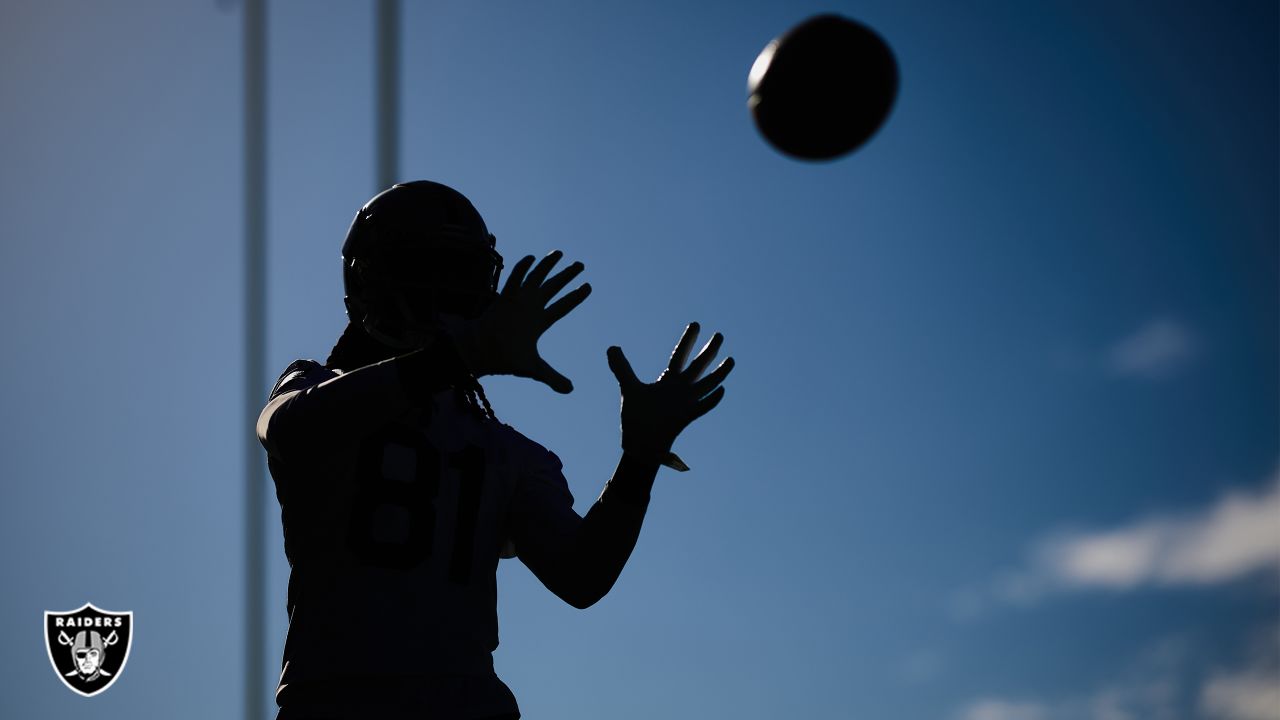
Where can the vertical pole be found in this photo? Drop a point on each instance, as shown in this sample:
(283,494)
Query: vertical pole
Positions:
(255,188)
(387,110)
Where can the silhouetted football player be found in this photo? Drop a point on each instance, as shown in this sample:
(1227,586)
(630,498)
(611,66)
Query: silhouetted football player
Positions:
(400,490)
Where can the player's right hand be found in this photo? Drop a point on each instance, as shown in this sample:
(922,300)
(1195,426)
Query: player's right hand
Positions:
(504,339)
(654,414)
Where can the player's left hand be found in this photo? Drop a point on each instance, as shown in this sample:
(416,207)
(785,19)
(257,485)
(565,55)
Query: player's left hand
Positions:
(504,339)
(653,414)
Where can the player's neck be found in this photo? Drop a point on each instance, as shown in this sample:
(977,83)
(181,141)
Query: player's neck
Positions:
(356,349)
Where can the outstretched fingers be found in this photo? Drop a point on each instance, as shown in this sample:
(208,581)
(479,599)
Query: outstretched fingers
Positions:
(558,309)
(539,272)
(621,367)
(681,352)
(704,356)
(713,378)
(559,281)
(516,278)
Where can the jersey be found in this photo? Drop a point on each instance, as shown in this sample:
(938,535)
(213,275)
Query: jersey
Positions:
(395,519)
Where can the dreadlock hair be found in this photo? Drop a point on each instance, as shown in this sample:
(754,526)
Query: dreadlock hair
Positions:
(356,348)
(474,399)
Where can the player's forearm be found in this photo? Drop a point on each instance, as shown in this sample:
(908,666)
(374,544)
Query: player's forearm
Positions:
(352,403)
(608,533)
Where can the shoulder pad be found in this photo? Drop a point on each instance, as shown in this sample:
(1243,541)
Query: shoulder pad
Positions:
(301,374)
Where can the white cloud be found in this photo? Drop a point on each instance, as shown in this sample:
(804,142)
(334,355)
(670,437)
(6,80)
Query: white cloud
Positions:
(1249,695)
(1152,701)
(1235,536)
(1146,689)
(1249,692)
(1155,351)
(1238,535)
(1000,709)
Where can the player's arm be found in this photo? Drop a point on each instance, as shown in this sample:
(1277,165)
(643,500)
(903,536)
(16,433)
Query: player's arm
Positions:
(314,405)
(579,559)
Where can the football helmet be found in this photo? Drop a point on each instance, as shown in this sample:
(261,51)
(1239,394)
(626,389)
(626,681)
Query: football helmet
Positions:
(414,252)
(88,650)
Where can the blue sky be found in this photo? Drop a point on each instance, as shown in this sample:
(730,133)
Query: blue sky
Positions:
(1002,439)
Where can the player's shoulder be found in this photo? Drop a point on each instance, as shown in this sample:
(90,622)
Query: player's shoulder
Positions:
(301,374)
(540,472)
(519,443)
(525,449)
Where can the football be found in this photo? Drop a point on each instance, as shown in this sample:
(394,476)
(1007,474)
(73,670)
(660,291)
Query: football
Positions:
(822,89)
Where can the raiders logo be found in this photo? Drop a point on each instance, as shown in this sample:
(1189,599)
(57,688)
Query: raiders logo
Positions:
(88,647)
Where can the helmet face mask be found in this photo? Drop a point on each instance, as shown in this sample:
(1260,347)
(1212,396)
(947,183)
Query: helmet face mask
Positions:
(416,252)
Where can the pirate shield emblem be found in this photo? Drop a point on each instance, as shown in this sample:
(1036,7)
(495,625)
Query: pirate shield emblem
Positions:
(88,647)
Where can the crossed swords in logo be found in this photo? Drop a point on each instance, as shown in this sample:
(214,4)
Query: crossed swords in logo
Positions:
(107,642)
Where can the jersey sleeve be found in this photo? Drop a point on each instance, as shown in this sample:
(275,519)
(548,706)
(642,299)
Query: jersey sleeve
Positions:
(301,375)
(542,515)
(312,408)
